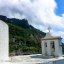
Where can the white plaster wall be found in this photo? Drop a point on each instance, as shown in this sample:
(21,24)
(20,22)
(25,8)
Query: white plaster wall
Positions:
(60,47)
(4,41)
(57,48)
(48,48)
(60,43)
(43,48)
(61,50)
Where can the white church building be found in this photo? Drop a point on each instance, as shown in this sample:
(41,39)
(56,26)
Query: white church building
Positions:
(51,45)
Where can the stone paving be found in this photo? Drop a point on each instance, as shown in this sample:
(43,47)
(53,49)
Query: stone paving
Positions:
(34,59)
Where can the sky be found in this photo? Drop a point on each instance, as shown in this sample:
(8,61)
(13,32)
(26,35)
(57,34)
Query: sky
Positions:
(39,13)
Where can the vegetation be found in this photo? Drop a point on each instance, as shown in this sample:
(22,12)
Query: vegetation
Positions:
(27,35)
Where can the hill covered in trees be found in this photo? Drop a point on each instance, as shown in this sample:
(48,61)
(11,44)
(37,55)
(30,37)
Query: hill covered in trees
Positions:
(24,38)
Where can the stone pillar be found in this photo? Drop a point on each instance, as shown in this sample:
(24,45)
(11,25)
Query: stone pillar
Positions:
(48,48)
(4,41)
(57,49)
(43,48)
(60,47)
(61,51)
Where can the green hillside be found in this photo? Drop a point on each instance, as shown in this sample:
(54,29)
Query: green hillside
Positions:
(24,38)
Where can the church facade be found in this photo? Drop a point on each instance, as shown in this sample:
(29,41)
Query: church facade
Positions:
(51,45)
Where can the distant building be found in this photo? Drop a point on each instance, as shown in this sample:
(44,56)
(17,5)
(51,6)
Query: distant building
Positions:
(51,45)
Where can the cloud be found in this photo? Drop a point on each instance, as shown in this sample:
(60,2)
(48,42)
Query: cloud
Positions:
(40,13)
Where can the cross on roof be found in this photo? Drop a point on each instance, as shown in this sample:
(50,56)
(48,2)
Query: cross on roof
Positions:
(49,28)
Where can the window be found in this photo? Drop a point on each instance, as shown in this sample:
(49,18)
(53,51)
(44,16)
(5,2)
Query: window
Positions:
(52,44)
(45,44)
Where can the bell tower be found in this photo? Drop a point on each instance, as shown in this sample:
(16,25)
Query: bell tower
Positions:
(51,45)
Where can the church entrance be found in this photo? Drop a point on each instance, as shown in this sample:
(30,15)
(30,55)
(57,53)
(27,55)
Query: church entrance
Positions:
(52,48)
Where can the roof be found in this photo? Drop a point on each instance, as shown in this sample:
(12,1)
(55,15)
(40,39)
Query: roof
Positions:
(49,37)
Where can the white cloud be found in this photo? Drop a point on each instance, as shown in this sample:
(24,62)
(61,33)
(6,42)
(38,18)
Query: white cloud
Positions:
(40,13)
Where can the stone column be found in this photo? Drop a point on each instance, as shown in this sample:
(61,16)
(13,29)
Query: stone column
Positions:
(57,49)
(60,47)
(48,48)
(43,48)
(4,41)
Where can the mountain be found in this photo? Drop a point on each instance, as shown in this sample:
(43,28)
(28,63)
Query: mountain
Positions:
(24,38)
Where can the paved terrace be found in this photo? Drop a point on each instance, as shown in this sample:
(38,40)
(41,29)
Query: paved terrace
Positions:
(34,59)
